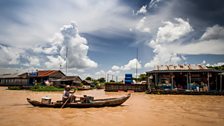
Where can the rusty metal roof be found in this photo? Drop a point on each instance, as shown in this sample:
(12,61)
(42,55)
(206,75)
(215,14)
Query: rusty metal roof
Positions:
(44,73)
(181,67)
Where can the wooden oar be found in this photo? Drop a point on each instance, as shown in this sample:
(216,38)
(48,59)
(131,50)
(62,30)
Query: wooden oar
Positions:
(65,102)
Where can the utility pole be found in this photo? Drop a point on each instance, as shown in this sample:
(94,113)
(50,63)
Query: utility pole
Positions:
(136,70)
(66,59)
(107,77)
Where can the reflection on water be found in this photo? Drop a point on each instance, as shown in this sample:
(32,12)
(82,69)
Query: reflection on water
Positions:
(141,109)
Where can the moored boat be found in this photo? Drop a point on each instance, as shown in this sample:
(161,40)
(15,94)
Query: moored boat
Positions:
(108,102)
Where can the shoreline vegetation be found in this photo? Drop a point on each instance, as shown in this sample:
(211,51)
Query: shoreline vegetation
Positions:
(52,88)
(36,88)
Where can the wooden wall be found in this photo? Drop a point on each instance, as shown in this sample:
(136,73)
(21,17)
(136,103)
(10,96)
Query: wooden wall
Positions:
(13,81)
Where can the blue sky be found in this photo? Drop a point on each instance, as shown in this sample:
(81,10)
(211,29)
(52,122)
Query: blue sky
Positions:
(103,36)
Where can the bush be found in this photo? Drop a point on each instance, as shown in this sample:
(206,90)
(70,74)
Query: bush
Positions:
(46,88)
(100,85)
(14,88)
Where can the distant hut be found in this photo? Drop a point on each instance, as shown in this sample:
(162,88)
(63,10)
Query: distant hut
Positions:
(67,80)
(88,83)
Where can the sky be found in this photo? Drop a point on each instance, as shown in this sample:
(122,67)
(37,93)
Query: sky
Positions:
(109,37)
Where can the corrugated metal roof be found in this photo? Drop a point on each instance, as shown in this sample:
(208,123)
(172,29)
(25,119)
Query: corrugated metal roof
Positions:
(181,67)
(10,75)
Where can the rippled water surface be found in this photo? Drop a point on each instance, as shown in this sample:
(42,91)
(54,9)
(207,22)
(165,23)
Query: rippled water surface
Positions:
(140,110)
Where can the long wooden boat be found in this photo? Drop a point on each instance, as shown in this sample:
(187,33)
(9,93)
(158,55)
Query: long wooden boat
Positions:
(108,102)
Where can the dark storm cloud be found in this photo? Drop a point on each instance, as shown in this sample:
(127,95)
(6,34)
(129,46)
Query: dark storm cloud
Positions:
(200,12)
(136,4)
(206,12)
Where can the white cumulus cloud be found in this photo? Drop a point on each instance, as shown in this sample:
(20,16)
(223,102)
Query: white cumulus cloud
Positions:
(69,42)
(115,68)
(9,55)
(34,61)
(167,35)
(142,10)
(55,62)
(173,31)
(211,42)
(141,26)
(132,64)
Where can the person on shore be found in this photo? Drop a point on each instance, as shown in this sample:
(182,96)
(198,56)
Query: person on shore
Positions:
(68,94)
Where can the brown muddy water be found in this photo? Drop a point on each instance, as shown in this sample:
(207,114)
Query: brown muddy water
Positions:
(140,110)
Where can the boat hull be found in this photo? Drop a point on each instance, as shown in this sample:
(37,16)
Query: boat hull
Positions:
(110,102)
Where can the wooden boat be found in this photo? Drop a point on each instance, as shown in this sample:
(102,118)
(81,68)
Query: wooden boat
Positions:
(108,102)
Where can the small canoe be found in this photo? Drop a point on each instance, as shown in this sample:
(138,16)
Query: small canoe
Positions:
(108,102)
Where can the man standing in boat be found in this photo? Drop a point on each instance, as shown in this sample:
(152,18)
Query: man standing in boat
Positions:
(68,94)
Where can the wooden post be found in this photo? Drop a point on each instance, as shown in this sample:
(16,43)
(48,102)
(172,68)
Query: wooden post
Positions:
(216,84)
(149,83)
(189,81)
(156,79)
(220,82)
(208,82)
(172,81)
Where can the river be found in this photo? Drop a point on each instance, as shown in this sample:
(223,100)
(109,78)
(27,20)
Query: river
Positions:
(140,110)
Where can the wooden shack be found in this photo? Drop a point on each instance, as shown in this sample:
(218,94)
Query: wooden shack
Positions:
(185,77)
(41,76)
(67,80)
(13,79)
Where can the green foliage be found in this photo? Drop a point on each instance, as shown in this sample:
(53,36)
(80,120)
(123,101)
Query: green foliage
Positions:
(101,80)
(142,77)
(100,85)
(217,67)
(88,78)
(45,88)
(112,81)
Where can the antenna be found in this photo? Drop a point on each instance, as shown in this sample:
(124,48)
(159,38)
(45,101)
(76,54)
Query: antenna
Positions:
(66,59)
(136,70)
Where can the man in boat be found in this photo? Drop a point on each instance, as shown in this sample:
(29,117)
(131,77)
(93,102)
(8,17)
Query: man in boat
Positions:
(68,94)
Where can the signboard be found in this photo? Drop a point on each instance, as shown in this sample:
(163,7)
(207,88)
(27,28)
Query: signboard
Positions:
(33,74)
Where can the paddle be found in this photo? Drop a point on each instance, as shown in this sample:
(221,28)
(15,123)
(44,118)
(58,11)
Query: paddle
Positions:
(71,92)
(65,102)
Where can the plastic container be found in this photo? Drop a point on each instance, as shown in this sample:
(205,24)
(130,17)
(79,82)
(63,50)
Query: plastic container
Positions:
(46,100)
